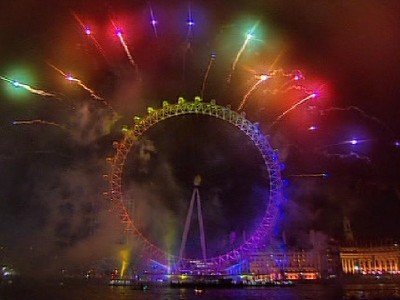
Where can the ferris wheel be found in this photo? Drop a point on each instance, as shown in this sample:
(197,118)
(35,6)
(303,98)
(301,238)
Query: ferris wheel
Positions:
(269,157)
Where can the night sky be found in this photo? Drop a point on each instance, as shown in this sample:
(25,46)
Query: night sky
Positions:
(51,197)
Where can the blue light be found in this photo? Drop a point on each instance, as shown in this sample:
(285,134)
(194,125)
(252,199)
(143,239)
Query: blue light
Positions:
(250,35)
(354,142)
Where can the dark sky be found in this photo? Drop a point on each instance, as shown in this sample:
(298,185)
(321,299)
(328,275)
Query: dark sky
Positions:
(51,174)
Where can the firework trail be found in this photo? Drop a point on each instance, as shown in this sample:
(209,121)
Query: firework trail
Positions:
(348,142)
(296,87)
(82,85)
(293,76)
(261,79)
(249,37)
(311,96)
(186,46)
(18,84)
(203,86)
(78,82)
(33,122)
(276,91)
(352,154)
(279,73)
(190,23)
(125,46)
(153,21)
(317,175)
(89,33)
(119,34)
(361,112)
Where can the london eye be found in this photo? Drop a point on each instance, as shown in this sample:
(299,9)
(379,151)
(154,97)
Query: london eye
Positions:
(269,158)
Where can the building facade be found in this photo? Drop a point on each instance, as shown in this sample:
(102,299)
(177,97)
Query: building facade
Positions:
(295,264)
(278,265)
(370,260)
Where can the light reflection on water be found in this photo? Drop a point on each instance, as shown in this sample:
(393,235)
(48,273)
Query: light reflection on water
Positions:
(372,290)
(78,291)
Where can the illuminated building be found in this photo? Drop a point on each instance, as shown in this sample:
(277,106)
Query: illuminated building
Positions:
(320,261)
(292,265)
(359,258)
(371,259)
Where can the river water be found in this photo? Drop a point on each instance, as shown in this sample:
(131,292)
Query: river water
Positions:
(90,291)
